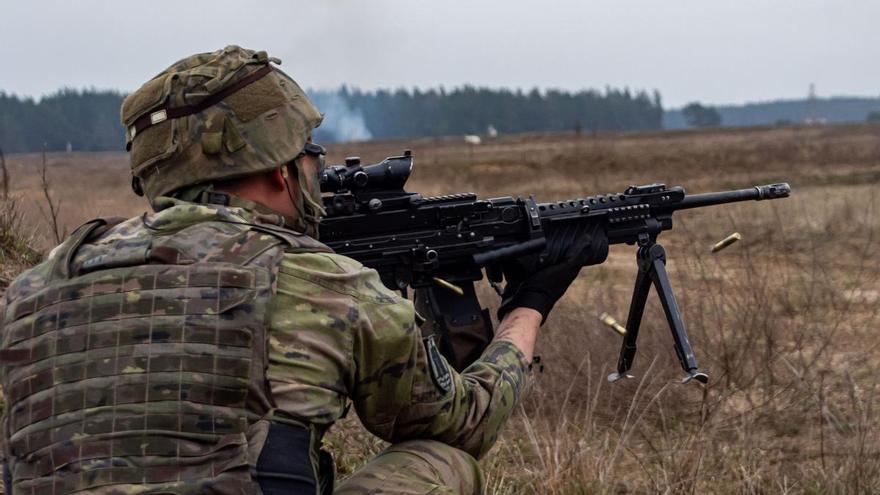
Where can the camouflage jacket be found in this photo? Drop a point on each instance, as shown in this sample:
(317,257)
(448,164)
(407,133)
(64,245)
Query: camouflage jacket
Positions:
(335,334)
(338,334)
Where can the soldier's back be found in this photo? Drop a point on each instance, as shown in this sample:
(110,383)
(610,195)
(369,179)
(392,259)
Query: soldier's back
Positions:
(135,355)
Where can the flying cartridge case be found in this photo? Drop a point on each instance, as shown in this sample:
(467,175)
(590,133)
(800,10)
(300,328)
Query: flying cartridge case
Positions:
(448,285)
(727,241)
(611,323)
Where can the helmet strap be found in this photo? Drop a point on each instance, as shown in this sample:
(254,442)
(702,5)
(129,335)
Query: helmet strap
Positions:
(298,223)
(309,212)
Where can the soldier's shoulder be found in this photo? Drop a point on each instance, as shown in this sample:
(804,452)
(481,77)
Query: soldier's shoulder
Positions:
(36,277)
(116,229)
(29,281)
(337,273)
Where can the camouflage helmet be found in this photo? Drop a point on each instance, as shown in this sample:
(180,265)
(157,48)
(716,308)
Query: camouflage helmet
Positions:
(214,116)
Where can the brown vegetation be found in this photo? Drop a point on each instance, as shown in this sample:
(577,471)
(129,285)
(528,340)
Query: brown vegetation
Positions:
(782,321)
(16,251)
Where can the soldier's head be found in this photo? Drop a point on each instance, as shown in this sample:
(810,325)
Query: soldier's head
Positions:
(227,119)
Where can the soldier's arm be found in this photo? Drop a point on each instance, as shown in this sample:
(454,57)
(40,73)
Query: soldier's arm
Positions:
(339,322)
(520,328)
(404,389)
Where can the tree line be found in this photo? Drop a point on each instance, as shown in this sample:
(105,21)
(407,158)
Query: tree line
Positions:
(472,110)
(88,120)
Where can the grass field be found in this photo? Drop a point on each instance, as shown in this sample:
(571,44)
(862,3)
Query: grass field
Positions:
(783,321)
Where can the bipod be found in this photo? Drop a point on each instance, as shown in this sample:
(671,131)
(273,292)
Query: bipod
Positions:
(651,259)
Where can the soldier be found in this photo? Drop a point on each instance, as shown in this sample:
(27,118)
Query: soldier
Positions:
(207,347)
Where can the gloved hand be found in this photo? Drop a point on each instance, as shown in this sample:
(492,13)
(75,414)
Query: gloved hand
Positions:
(537,281)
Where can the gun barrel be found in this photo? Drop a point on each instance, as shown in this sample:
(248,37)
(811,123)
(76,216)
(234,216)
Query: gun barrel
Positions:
(757,193)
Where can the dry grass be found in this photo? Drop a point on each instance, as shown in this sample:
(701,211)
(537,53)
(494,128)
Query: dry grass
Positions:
(783,321)
(16,251)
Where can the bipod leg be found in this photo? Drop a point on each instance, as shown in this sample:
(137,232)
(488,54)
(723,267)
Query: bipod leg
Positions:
(657,257)
(634,319)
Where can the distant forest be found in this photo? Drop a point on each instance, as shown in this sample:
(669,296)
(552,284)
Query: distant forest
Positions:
(470,110)
(88,120)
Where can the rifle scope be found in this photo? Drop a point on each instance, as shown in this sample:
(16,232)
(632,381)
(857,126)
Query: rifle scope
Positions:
(390,174)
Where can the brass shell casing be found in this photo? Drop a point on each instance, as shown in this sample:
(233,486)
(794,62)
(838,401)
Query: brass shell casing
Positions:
(611,323)
(727,241)
(448,285)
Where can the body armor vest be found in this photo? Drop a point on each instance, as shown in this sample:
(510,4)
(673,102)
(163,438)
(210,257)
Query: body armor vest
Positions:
(142,361)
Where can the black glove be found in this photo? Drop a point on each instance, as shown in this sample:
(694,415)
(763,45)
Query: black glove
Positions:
(537,281)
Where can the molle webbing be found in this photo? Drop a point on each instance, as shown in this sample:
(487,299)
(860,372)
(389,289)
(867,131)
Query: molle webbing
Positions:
(147,373)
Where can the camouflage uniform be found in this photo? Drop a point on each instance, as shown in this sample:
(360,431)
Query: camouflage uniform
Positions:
(128,377)
(207,348)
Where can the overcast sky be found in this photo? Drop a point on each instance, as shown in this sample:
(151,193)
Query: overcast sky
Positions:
(728,51)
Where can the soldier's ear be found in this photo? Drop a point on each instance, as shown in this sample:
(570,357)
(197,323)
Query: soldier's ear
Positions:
(278,178)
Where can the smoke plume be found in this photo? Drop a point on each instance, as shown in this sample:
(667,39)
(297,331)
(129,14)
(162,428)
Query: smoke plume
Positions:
(341,121)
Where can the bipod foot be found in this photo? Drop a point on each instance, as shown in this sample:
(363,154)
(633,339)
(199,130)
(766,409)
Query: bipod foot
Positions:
(613,377)
(696,375)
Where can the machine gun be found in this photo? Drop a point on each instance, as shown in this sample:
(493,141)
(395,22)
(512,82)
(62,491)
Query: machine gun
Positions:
(441,245)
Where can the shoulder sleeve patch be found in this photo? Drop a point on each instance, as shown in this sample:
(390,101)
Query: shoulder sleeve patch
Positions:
(437,366)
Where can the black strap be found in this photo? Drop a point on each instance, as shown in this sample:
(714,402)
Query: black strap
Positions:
(284,466)
(214,198)
(7,479)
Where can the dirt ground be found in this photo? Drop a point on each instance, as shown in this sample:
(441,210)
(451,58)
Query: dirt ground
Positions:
(783,321)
